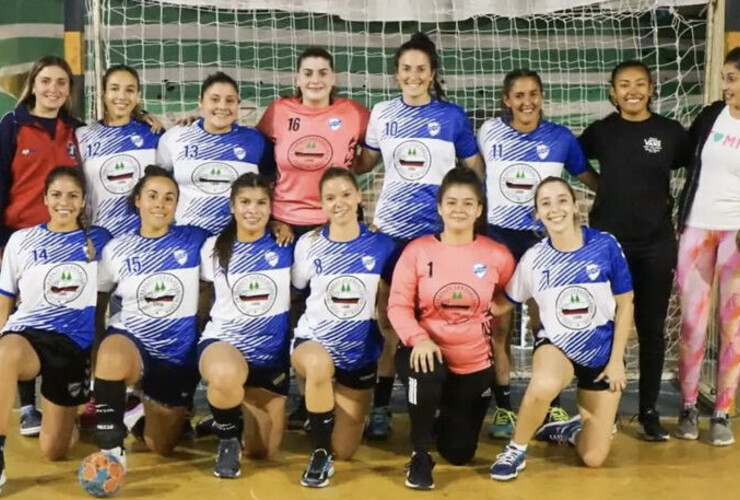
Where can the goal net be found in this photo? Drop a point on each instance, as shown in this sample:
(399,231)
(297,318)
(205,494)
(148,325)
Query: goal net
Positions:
(572,44)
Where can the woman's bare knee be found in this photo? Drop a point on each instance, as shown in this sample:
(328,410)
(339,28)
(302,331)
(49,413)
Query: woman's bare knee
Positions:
(594,458)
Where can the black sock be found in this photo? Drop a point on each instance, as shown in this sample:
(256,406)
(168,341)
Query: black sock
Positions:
(227,422)
(110,405)
(27,392)
(322,425)
(556,401)
(502,394)
(383,390)
(2,453)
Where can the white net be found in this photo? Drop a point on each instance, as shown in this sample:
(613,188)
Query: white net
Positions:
(176,44)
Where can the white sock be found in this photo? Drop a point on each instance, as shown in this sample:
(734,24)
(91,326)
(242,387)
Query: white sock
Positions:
(518,447)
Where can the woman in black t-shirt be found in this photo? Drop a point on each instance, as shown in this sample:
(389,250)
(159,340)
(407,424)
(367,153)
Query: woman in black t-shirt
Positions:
(637,150)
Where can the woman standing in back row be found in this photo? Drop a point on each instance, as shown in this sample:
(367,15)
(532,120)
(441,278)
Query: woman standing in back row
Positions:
(637,150)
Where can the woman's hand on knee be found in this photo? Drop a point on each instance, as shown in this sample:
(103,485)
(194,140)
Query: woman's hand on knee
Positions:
(614,375)
(423,355)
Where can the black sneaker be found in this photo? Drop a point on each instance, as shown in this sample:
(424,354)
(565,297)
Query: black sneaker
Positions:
(320,469)
(187,433)
(298,418)
(228,459)
(650,428)
(419,471)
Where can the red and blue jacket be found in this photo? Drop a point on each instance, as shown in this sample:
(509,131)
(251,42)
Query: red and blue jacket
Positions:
(27,154)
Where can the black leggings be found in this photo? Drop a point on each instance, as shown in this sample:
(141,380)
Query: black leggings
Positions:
(651,265)
(462,401)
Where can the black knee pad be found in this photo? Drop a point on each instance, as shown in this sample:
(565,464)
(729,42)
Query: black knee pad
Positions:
(456,454)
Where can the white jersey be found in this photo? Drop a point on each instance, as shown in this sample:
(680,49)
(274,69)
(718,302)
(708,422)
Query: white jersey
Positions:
(157,281)
(343,279)
(56,283)
(114,160)
(250,310)
(206,164)
(516,162)
(419,144)
(575,293)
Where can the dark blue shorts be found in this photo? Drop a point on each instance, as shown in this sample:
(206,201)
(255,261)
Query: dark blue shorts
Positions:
(164,382)
(360,378)
(585,374)
(518,242)
(272,378)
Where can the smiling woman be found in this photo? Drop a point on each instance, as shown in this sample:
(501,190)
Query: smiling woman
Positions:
(208,155)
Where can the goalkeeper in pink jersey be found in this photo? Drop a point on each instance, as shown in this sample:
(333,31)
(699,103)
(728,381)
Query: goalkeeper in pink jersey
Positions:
(312,131)
(441,294)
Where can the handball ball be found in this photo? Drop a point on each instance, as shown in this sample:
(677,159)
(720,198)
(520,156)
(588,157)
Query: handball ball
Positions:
(100,474)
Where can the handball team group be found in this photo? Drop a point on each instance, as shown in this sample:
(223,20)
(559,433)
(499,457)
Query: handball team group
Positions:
(135,259)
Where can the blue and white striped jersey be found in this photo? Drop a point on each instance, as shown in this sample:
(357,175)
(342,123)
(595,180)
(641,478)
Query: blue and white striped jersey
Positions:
(419,144)
(57,285)
(250,311)
(575,293)
(343,279)
(516,162)
(157,281)
(206,164)
(114,160)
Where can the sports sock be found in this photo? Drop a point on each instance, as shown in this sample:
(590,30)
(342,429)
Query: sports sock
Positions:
(110,405)
(322,425)
(226,422)
(556,401)
(502,395)
(383,391)
(27,392)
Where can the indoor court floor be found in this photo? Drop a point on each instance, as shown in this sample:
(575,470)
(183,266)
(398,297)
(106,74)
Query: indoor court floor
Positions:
(635,470)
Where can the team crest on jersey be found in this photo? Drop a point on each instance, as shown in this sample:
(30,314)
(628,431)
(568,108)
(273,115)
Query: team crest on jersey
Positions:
(254,294)
(434,128)
(412,160)
(335,123)
(575,308)
(271,258)
(71,149)
(137,140)
(345,297)
(518,182)
(593,271)
(120,174)
(456,302)
(480,270)
(310,153)
(160,295)
(181,256)
(240,152)
(542,151)
(652,145)
(64,283)
(368,261)
(214,177)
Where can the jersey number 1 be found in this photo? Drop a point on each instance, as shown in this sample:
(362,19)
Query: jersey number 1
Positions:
(430,265)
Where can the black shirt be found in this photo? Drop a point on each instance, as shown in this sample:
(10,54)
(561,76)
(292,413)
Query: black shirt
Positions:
(50,124)
(633,201)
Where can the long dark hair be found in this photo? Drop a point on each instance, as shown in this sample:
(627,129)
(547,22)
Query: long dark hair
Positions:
(510,79)
(322,53)
(733,57)
(421,42)
(78,178)
(27,97)
(629,65)
(465,176)
(149,172)
(224,246)
(217,77)
(137,112)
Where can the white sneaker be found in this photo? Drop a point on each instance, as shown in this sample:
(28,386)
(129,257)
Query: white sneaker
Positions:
(3,479)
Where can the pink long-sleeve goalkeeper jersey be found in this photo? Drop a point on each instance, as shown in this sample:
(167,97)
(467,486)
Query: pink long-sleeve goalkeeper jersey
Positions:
(307,142)
(443,292)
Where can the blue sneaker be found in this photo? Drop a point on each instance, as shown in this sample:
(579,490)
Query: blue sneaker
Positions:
(228,459)
(379,424)
(503,423)
(508,464)
(30,422)
(320,469)
(560,432)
